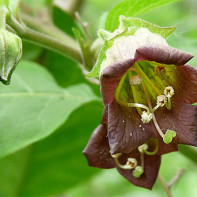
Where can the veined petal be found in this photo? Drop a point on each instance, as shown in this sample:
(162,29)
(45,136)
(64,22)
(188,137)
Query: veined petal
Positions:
(151,169)
(164,54)
(182,119)
(110,78)
(125,129)
(97,151)
(186,91)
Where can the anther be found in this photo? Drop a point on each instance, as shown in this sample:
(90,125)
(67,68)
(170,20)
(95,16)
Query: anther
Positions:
(169,91)
(161,100)
(135,80)
(117,155)
(131,162)
(143,148)
(146,117)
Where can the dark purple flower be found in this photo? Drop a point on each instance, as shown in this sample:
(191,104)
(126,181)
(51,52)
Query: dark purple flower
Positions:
(148,108)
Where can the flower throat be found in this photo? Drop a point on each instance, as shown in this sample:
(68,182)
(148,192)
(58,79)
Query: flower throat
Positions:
(137,90)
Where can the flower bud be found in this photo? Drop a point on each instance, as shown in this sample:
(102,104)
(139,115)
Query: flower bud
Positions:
(10,54)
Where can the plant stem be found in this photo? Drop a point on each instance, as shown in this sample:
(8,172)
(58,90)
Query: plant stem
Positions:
(49,29)
(165,186)
(44,40)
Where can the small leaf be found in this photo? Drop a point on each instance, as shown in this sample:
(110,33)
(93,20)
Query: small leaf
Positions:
(132,8)
(33,106)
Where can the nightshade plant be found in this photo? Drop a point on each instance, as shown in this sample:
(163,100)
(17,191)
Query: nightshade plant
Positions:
(144,87)
(148,108)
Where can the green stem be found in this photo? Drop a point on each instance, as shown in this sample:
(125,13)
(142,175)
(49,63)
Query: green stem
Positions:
(153,152)
(44,40)
(49,29)
(168,104)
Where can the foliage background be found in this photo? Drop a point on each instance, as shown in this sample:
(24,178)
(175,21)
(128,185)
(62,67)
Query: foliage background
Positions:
(53,165)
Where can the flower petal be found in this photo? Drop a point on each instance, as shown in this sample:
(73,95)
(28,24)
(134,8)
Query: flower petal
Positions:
(97,151)
(166,148)
(151,169)
(165,55)
(110,78)
(125,129)
(186,91)
(182,119)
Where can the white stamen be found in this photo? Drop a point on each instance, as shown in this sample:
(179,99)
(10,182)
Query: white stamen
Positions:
(169,91)
(161,100)
(143,148)
(146,117)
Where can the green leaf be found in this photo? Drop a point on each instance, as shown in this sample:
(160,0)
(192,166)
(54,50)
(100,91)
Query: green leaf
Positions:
(55,164)
(33,106)
(131,8)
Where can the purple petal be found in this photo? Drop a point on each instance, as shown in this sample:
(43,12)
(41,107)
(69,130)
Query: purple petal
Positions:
(165,55)
(186,88)
(97,151)
(182,119)
(110,78)
(125,129)
(151,169)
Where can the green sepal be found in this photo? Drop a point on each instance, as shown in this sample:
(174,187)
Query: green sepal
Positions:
(169,136)
(128,26)
(10,54)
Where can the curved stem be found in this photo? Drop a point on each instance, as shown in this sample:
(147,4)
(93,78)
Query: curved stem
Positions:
(44,40)
(153,152)
(49,29)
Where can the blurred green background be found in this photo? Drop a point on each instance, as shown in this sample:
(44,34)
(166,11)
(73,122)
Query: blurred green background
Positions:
(55,165)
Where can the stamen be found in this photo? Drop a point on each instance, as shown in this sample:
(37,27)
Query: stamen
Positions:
(153,152)
(146,117)
(143,148)
(138,105)
(135,80)
(139,170)
(169,92)
(161,100)
(131,162)
(150,106)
